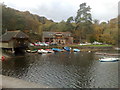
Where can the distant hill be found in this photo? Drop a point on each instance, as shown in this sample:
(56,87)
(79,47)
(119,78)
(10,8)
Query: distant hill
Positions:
(32,24)
(17,20)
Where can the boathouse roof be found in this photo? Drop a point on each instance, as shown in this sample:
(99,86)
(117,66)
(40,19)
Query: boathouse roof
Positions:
(51,34)
(13,34)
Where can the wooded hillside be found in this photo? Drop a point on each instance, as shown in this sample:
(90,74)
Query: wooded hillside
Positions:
(83,27)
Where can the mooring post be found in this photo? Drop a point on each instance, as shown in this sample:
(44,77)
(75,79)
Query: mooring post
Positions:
(13,50)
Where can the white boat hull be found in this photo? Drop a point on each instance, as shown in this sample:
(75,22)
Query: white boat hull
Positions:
(49,51)
(42,51)
(109,59)
(76,50)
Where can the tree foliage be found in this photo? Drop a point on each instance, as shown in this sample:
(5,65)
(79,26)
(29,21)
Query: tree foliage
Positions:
(83,22)
(83,14)
(82,27)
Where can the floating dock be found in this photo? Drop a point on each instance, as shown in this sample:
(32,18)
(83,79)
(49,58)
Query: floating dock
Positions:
(108,54)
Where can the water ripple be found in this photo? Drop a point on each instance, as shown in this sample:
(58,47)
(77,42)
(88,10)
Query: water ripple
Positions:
(68,70)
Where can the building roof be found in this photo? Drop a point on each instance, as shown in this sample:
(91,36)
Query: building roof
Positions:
(12,34)
(51,34)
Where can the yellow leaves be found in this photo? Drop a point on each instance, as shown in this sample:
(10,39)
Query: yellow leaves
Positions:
(77,32)
(107,38)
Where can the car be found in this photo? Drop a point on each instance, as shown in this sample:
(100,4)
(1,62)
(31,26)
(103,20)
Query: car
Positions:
(96,43)
(88,43)
(82,44)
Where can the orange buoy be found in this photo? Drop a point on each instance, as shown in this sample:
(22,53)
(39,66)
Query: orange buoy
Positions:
(3,58)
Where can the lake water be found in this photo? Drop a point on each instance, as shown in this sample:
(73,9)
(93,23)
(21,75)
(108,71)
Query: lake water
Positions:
(64,70)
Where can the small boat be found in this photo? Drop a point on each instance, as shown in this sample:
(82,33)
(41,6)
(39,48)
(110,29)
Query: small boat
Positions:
(40,51)
(56,49)
(67,48)
(117,48)
(28,51)
(50,50)
(76,50)
(31,51)
(62,50)
(109,59)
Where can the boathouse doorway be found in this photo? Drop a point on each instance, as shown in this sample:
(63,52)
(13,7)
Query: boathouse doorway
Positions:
(16,41)
(20,46)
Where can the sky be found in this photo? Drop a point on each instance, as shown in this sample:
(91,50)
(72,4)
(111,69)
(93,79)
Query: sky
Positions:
(59,10)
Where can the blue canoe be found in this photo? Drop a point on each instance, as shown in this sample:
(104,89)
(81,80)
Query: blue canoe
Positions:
(76,50)
(56,49)
(67,48)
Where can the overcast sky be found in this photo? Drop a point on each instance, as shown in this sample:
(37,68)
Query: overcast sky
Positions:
(59,10)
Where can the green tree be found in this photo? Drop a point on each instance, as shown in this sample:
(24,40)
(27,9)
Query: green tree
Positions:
(83,22)
(96,21)
(83,14)
(70,19)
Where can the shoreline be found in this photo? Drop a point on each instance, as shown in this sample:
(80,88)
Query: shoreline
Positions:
(82,48)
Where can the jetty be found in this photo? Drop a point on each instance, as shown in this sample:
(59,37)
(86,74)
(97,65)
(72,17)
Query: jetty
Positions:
(108,54)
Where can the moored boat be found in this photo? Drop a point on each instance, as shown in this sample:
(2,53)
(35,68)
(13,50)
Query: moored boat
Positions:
(109,59)
(67,48)
(31,51)
(40,51)
(50,50)
(76,50)
(28,51)
(56,49)
(62,50)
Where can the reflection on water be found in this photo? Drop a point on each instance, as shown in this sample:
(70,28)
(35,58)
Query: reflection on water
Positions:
(64,69)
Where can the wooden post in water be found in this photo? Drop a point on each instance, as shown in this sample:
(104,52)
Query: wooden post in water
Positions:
(13,50)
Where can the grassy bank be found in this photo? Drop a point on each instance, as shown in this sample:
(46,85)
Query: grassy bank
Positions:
(90,45)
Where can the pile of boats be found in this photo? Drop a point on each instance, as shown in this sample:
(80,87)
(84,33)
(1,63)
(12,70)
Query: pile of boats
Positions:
(41,51)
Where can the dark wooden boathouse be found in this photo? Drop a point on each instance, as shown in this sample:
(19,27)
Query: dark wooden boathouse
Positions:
(16,41)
